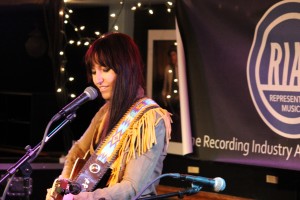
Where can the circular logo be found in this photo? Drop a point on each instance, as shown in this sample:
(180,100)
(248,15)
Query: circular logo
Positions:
(273,68)
(94,168)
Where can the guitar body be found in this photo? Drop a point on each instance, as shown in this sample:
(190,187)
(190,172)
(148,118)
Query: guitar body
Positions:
(79,163)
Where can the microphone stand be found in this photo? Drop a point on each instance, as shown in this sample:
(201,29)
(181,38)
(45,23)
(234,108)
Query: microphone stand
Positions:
(180,194)
(30,154)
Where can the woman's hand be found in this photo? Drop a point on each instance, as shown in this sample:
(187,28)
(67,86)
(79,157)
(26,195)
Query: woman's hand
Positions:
(68,197)
(59,186)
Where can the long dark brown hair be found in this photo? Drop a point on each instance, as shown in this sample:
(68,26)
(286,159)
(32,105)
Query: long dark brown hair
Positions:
(120,53)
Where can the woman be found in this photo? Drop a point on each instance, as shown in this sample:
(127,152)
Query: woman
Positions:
(141,127)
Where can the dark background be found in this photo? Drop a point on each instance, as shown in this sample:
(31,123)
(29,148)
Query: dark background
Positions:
(28,77)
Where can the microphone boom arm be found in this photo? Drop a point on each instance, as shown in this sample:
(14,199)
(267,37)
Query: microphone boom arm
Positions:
(31,153)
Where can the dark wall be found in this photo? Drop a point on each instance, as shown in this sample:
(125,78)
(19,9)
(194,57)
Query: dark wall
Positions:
(25,65)
(28,97)
(26,76)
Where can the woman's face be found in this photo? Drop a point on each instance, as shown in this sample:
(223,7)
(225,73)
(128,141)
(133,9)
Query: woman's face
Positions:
(104,78)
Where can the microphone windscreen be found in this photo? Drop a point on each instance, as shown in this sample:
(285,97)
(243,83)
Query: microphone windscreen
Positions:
(91,92)
(220,184)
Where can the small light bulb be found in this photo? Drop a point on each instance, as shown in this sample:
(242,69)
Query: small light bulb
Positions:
(169,3)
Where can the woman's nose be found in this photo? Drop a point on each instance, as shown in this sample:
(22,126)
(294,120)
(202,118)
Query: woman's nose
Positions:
(99,78)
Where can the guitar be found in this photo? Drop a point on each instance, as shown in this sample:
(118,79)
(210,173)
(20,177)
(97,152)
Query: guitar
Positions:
(74,184)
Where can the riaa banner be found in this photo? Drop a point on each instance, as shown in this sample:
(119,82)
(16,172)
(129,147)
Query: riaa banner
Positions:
(243,77)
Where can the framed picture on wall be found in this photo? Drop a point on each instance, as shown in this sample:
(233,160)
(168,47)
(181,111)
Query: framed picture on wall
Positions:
(162,79)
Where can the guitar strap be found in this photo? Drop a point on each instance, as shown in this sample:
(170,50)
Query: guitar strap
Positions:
(99,162)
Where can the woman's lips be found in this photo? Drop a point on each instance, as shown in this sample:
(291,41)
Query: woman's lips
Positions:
(103,88)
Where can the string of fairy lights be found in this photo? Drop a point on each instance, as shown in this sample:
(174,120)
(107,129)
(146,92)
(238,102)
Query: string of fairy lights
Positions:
(82,41)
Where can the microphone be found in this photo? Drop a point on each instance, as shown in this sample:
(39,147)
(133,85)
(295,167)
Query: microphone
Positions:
(218,184)
(89,93)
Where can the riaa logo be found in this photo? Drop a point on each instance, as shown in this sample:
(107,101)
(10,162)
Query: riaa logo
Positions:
(273,68)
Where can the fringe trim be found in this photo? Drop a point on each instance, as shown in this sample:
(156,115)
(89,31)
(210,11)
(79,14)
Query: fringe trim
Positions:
(138,140)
